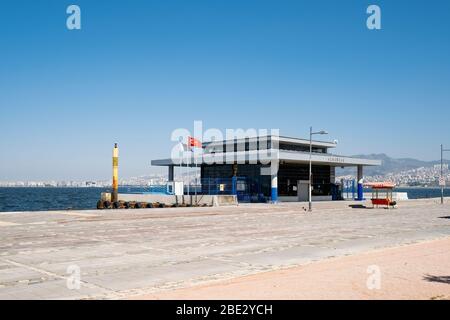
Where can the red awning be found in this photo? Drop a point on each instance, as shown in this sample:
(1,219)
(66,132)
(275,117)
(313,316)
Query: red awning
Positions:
(380,185)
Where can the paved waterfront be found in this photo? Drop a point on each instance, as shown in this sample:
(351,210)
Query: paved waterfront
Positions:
(132,252)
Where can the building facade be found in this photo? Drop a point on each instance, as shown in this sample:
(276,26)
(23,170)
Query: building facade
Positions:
(269,167)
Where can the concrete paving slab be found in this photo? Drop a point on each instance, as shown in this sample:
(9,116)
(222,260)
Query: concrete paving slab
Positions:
(137,251)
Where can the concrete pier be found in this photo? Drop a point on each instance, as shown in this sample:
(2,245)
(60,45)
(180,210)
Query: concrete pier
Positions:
(122,253)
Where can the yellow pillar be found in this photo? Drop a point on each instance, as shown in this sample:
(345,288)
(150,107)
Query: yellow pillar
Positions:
(115,181)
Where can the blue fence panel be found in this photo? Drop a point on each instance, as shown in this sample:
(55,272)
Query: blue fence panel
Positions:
(216,186)
(349,189)
(246,190)
(153,189)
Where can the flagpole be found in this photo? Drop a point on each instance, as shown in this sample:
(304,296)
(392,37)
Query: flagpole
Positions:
(195,162)
(193,143)
(181,165)
(187,173)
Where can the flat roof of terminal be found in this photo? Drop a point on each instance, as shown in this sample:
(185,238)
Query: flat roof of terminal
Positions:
(284,139)
(283,156)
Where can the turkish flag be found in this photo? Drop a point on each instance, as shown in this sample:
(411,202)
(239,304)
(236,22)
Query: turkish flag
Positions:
(192,142)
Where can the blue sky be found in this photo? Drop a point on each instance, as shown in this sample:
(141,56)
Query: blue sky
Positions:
(139,69)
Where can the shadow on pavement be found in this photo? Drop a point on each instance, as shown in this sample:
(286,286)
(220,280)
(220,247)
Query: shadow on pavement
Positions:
(440,279)
(357,206)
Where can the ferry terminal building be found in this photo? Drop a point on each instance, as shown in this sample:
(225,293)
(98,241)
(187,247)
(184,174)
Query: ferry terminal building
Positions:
(269,168)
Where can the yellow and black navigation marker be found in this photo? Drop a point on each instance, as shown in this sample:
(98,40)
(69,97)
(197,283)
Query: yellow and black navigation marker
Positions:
(115,181)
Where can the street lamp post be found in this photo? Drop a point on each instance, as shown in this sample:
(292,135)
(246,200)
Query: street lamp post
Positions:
(442,172)
(311,133)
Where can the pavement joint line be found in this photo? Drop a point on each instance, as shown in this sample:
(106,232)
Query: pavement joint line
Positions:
(55,275)
(9,224)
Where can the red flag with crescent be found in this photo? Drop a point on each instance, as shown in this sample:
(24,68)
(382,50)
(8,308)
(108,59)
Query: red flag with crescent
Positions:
(192,142)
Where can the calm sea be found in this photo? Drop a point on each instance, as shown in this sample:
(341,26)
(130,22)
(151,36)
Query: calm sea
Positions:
(35,199)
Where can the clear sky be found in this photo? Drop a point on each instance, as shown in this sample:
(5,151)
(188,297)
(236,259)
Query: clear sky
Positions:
(139,69)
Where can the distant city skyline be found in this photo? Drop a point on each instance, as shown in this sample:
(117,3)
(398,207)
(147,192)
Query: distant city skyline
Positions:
(136,71)
(421,176)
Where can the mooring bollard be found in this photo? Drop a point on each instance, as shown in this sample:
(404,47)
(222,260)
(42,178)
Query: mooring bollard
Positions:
(100,204)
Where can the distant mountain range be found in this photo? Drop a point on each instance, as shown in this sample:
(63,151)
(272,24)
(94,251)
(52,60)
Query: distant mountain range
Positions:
(389,165)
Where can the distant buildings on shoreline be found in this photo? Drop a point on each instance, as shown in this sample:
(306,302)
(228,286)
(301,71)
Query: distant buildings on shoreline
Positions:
(134,181)
(421,177)
(418,177)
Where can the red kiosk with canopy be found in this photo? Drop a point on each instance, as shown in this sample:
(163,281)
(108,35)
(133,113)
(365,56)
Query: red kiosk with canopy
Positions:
(382,193)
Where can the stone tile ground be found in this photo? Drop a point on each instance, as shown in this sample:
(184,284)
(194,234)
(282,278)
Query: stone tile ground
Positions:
(131,252)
